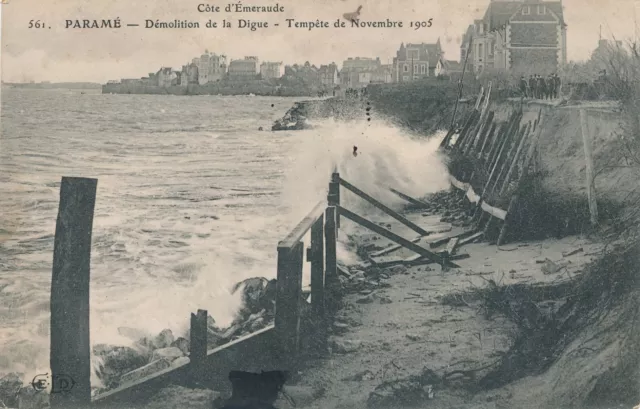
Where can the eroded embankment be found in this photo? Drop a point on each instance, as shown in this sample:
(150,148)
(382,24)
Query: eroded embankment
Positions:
(552,189)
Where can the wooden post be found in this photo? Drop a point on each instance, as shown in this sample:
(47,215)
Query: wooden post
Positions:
(527,161)
(384,208)
(588,156)
(488,141)
(496,142)
(445,141)
(482,132)
(316,257)
(288,299)
(70,353)
(395,238)
(514,161)
(465,130)
(331,260)
(198,347)
(333,199)
(503,162)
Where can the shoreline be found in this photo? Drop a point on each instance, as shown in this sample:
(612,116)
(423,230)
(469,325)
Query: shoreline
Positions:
(391,315)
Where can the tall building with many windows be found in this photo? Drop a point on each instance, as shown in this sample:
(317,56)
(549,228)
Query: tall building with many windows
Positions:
(525,37)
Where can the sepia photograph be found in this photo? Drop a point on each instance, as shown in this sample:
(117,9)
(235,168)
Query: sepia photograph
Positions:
(332,204)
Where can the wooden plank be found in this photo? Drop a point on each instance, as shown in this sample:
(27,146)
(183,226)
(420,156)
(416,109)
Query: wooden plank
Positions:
(483,132)
(445,141)
(482,123)
(288,298)
(391,249)
(505,160)
(331,259)
(438,240)
(489,139)
(409,199)
(493,211)
(70,352)
(451,246)
(515,159)
(387,261)
(316,253)
(303,227)
(392,236)
(470,238)
(472,196)
(333,198)
(438,227)
(198,347)
(588,157)
(341,270)
(457,184)
(465,130)
(384,208)
(514,199)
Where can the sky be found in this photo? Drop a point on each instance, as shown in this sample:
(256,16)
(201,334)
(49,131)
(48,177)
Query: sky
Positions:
(97,55)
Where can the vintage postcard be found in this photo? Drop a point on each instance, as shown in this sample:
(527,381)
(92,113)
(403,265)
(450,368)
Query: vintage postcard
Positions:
(319,204)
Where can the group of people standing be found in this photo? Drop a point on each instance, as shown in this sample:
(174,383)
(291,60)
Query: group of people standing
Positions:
(540,87)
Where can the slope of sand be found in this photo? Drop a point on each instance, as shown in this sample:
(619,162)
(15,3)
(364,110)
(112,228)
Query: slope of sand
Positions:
(403,327)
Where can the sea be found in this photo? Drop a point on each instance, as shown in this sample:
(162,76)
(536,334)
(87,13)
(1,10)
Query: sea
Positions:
(192,197)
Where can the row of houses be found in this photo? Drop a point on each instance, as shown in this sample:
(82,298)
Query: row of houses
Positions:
(519,36)
(412,62)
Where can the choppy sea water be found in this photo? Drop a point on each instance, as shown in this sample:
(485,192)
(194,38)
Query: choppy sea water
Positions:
(191,198)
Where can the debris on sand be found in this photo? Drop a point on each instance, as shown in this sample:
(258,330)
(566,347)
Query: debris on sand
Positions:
(411,391)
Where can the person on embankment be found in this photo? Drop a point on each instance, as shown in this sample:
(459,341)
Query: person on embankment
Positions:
(532,86)
(523,86)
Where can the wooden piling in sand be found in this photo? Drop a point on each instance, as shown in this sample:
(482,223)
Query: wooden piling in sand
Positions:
(333,198)
(330,256)
(315,255)
(198,347)
(70,353)
(288,298)
(514,160)
(588,157)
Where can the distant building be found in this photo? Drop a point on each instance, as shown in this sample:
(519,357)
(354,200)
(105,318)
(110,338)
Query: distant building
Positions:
(525,37)
(416,61)
(383,75)
(211,67)
(359,72)
(175,77)
(166,76)
(244,69)
(448,67)
(306,74)
(271,70)
(328,75)
(189,75)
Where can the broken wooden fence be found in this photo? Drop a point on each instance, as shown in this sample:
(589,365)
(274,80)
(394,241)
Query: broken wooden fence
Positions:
(501,151)
(275,347)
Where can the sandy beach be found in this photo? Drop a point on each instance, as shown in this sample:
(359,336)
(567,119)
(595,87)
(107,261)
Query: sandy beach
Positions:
(398,322)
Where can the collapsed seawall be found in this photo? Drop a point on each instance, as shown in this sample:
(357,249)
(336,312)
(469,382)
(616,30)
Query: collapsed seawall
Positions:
(554,186)
(554,194)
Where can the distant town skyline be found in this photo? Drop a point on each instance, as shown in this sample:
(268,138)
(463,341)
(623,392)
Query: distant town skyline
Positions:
(99,55)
